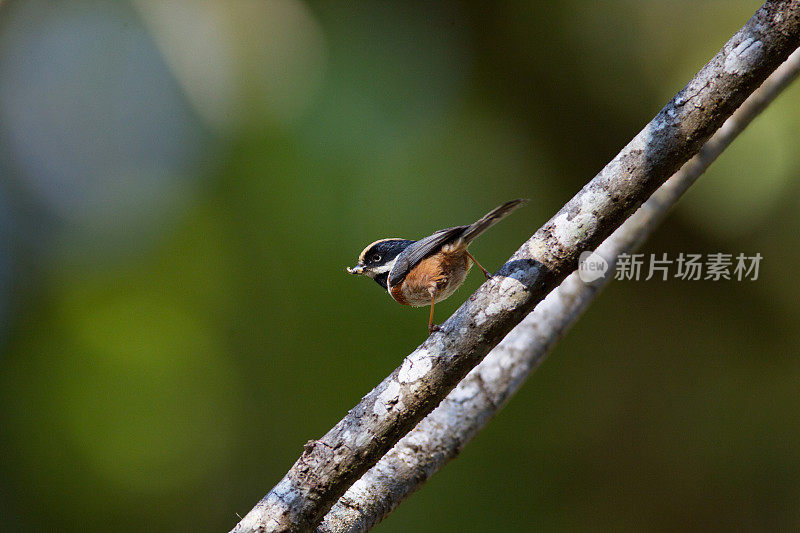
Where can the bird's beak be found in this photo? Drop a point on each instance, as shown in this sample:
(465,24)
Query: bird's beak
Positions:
(356,270)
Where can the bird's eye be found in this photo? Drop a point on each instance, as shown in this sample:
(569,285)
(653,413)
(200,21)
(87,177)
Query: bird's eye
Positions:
(376,258)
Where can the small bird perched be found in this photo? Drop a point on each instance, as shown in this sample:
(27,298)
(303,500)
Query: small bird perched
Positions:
(419,273)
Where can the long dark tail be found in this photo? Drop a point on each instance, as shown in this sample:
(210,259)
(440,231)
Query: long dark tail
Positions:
(490,219)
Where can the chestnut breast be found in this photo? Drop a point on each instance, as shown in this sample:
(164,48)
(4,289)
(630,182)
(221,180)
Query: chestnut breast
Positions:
(441,273)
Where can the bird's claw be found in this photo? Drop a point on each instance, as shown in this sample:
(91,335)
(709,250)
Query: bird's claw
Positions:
(434,328)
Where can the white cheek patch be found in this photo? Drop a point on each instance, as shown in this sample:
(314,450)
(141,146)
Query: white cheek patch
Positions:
(383,269)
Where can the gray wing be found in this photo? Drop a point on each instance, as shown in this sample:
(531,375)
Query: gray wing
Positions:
(411,256)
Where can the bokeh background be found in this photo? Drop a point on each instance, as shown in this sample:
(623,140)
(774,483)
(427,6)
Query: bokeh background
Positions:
(182,184)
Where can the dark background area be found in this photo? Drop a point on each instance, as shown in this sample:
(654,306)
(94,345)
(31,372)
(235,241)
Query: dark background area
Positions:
(183,183)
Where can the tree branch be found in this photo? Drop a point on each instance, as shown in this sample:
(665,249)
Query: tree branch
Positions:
(469,407)
(328,467)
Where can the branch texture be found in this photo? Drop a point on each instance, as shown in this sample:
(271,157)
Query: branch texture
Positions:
(466,410)
(329,466)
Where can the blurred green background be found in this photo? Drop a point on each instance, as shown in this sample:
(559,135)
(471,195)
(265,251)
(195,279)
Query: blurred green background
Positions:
(182,184)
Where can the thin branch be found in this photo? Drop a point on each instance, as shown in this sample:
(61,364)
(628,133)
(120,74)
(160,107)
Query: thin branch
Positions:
(470,406)
(328,467)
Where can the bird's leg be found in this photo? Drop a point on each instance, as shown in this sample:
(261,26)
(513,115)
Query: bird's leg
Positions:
(485,272)
(431,326)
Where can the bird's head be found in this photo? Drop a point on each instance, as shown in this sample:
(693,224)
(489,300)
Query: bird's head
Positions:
(377,259)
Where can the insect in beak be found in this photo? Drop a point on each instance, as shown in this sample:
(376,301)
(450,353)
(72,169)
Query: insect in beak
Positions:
(356,270)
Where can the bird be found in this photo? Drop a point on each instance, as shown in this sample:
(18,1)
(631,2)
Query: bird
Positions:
(423,272)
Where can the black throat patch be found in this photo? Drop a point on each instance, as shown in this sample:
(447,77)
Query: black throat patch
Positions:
(381,279)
